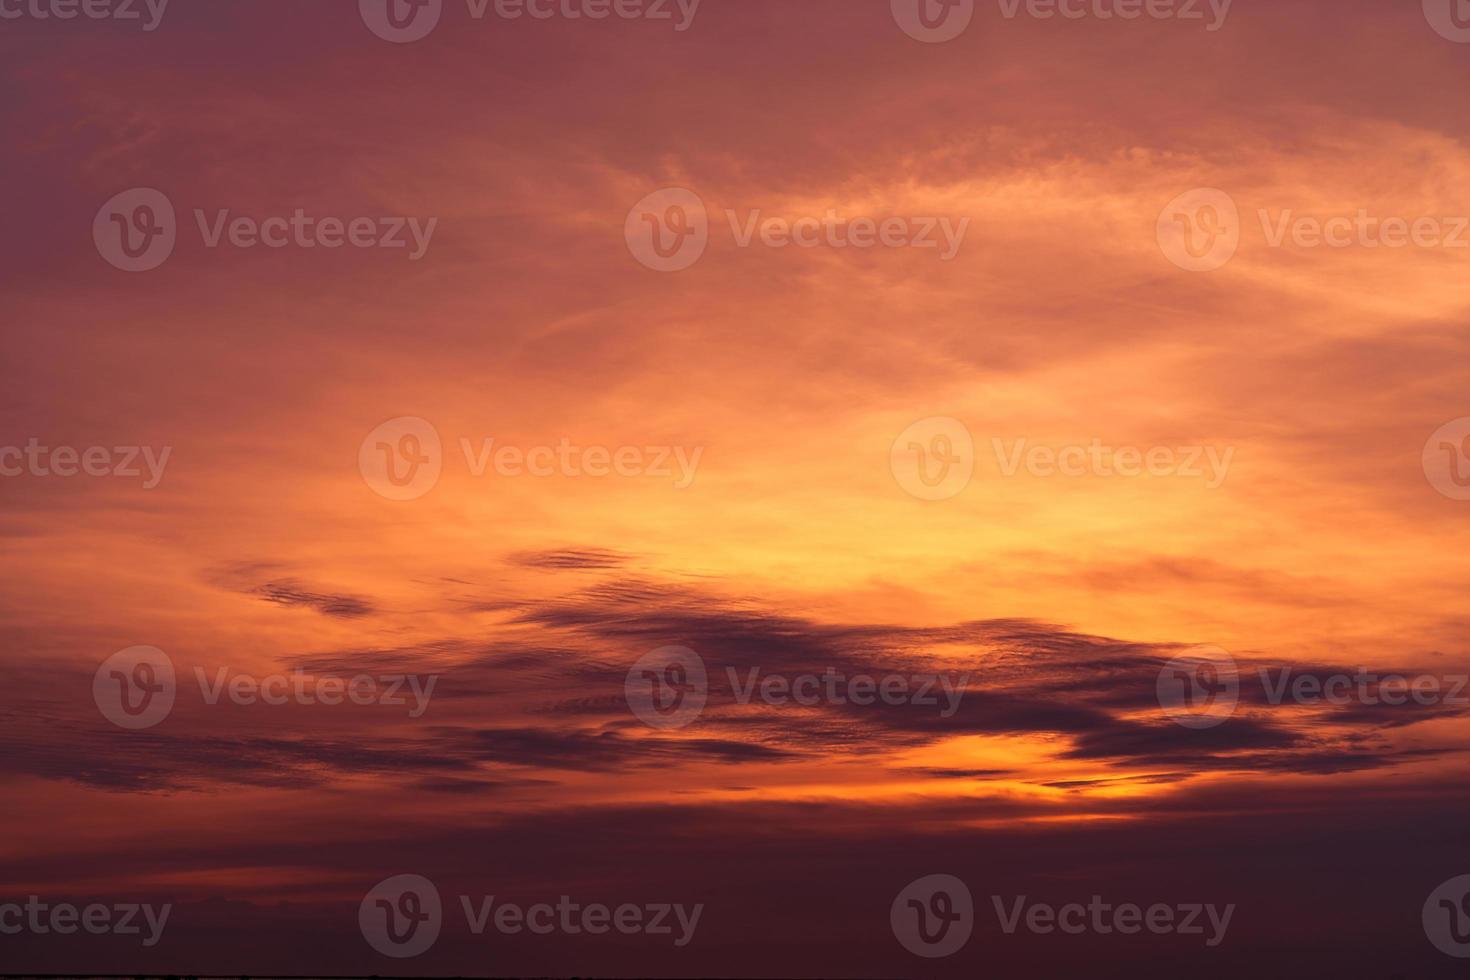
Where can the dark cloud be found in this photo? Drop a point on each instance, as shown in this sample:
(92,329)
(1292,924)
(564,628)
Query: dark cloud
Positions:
(290,593)
(571,559)
(553,678)
(148,761)
(602,750)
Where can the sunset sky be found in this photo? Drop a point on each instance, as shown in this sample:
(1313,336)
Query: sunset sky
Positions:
(783,378)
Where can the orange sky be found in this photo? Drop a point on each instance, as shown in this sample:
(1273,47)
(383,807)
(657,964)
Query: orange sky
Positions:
(1059,320)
